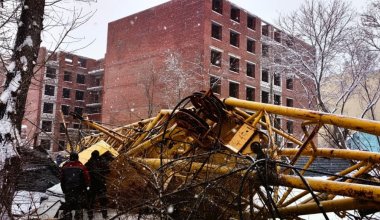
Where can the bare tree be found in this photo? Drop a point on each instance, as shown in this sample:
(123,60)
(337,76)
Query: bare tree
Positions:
(177,75)
(148,80)
(315,42)
(370,21)
(321,44)
(313,47)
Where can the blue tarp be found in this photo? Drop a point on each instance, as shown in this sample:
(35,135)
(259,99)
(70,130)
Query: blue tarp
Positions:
(364,141)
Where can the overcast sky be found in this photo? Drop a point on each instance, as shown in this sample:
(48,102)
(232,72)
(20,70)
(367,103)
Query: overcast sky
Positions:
(95,30)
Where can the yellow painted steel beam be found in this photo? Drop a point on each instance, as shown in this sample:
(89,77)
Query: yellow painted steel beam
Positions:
(334,153)
(118,137)
(359,191)
(372,127)
(341,173)
(150,142)
(154,121)
(328,206)
(156,163)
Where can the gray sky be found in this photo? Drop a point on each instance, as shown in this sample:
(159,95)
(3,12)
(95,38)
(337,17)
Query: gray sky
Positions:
(95,30)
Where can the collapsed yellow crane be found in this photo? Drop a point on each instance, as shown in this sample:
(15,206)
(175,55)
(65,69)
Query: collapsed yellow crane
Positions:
(213,159)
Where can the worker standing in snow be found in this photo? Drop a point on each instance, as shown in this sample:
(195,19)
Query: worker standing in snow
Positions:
(99,169)
(75,181)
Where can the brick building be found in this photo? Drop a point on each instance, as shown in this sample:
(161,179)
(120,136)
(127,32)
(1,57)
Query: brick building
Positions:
(224,40)
(63,83)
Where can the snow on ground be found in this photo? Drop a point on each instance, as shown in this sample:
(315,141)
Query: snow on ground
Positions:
(46,205)
(25,201)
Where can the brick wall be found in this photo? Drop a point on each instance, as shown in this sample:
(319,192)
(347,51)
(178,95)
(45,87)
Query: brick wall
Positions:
(140,42)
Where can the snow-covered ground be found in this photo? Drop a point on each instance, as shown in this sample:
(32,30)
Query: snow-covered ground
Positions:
(37,205)
(24,202)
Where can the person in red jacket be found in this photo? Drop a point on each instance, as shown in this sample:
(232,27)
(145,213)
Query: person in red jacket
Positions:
(75,181)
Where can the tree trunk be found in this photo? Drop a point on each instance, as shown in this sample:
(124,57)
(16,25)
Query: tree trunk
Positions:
(13,98)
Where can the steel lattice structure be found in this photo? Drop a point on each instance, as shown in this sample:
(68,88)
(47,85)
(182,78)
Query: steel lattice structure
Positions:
(213,159)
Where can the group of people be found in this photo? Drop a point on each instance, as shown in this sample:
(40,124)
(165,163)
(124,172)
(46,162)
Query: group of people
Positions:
(83,185)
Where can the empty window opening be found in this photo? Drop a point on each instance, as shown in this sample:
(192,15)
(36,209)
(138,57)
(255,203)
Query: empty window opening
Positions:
(78,110)
(234,89)
(235,14)
(66,93)
(47,126)
(250,93)
(216,58)
(49,90)
(289,83)
(76,125)
(93,110)
(265,75)
(45,144)
(264,97)
(215,84)
(263,119)
(95,97)
(65,109)
(62,145)
(251,70)
(82,62)
(67,76)
(277,123)
(251,22)
(69,59)
(81,78)
(217,6)
(97,81)
(62,128)
(289,102)
(265,30)
(251,47)
(265,50)
(277,79)
(277,99)
(48,108)
(51,73)
(234,64)
(216,31)
(234,38)
(277,36)
(79,95)
(289,127)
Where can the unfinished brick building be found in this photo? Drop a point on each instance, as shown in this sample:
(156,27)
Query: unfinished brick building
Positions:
(219,45)
(65,83)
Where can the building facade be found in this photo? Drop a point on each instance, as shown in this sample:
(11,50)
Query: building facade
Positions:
(153,59)
(222,39)
(63,83)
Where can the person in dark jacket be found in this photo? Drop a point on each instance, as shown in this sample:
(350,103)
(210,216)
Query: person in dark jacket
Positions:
(99,169)
(75,180)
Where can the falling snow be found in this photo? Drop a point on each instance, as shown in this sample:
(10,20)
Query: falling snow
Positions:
(170,209)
